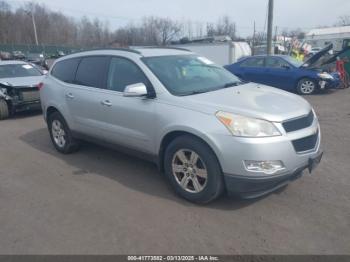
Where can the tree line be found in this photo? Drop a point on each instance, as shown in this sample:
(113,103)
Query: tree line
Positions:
(56,28)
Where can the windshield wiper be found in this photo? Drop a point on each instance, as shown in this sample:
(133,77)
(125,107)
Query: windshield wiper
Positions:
(196,92)
(227,85)
(232,84)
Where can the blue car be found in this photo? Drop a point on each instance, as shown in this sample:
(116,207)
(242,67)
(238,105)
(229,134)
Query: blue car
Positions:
(287,73)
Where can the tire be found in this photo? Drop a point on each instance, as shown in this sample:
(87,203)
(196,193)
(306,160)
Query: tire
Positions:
(306,86)
(196,187)
(4,110)
(61,135)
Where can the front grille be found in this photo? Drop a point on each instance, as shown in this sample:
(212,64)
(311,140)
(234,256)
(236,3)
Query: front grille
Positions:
(300,123)
(306,143)
(29,96)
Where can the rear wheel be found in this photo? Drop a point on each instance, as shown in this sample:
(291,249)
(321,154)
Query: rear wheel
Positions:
(306,86)
(4,110)
(193,170)
(61,135)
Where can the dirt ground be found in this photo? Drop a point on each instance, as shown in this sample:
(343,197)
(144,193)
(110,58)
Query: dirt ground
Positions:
(98,201)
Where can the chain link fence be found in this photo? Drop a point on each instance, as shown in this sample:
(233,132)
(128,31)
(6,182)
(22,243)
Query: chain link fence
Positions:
(47,50)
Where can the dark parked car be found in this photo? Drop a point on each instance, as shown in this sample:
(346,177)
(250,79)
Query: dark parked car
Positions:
(287,73)
(19,87)
(18,55)
(38,59)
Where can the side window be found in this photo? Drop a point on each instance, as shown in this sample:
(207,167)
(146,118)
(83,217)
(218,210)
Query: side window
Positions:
(122,73)
(65,70)
(92,71)
(273,62)
(253,62)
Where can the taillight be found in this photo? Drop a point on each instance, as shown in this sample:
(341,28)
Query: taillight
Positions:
(40,86)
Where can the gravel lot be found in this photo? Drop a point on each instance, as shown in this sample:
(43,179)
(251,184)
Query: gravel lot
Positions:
(99,201)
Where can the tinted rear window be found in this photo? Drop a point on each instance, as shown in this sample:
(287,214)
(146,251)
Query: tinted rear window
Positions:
(65,70)
(92,71)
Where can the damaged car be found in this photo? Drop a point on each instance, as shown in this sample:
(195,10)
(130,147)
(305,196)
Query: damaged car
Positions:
(19,87)
(287,73)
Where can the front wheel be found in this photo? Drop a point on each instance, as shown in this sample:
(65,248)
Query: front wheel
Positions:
(306,86)
(193,170)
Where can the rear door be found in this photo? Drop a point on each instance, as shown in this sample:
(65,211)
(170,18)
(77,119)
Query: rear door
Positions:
(252,69)
(85,95)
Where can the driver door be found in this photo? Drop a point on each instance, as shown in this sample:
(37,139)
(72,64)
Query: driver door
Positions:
(129,121)
(279,73)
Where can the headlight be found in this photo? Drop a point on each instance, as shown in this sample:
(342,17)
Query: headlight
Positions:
(247,127)
(325,76)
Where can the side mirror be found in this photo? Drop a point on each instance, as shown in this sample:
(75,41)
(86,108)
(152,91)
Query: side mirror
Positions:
(135,90)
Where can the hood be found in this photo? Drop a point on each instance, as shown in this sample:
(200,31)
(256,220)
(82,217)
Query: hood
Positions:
(252,100)
(314,61)
(23,81)
(340,54)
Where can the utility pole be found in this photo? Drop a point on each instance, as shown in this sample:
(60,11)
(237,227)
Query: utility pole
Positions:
(33,21)
(276,31)
(269,28)
(34,26)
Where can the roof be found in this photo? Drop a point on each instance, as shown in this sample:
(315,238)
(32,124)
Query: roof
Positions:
(12,62)
(136,51)
(282,56)
(162,51)
(329,31)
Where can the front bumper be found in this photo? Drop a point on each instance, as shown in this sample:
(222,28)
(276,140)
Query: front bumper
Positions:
(234,151)
(330,83)
(249,188)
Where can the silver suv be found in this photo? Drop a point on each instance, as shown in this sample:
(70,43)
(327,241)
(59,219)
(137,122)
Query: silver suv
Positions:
(204,128)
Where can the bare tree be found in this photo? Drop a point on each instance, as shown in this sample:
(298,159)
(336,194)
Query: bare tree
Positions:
(224,26)
(167,30)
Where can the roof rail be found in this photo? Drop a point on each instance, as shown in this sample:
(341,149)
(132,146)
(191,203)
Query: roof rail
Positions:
(116,49)
(163,47)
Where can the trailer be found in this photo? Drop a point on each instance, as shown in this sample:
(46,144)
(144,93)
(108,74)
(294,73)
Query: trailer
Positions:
(221,53)
(321,37)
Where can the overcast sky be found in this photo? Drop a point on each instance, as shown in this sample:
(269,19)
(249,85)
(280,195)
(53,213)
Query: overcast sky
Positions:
(304,14)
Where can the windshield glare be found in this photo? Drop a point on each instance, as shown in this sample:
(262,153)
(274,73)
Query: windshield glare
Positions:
(189,74)
(20,70)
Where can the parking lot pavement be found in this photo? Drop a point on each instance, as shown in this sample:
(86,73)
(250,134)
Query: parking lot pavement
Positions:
(99,201)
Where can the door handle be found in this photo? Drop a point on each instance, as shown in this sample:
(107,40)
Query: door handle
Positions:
(70,96)
(106,103)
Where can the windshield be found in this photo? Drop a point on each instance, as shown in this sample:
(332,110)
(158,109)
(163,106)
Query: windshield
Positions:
(18,70)
(189,74)
(293,61)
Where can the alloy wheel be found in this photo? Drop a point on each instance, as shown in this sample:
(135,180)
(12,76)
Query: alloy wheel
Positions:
(307,87)
(189,171)
(58,133)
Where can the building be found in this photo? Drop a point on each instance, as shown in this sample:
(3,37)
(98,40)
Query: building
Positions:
(321,37)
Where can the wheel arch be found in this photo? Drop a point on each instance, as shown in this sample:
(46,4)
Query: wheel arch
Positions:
(170,136)
(50,110)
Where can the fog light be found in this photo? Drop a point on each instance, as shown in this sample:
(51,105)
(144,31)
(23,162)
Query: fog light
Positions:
(267,167)
(322,84)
